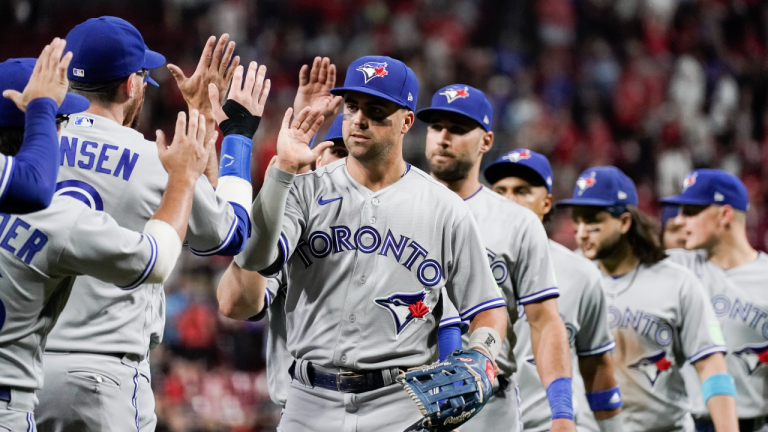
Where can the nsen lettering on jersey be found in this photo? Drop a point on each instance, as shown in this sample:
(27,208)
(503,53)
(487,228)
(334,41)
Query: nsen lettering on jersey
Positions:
(367,240)
(100,157)
(643,323)
(745,311)
(19,238)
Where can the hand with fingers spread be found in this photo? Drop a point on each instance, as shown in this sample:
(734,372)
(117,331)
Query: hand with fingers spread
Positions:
(49,78)
(251,95)
(293,152)
(315,88)
(186,157)
(214,68)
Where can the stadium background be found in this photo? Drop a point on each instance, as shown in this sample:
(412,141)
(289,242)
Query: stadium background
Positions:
(655,87)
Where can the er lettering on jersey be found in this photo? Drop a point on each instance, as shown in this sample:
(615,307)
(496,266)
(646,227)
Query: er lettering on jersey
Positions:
(19,238)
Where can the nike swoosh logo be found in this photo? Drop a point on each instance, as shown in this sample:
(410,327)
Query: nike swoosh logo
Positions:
(324,202)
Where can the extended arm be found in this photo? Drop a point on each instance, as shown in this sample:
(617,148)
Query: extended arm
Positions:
(719,392)
(241,293)
(600,384)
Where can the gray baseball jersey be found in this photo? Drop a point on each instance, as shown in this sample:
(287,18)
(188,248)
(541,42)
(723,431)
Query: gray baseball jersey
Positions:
(278,357)
(584,311)
(114,169)
(518,250)
(740,300)
(40,253)
(660,317)
(365,270)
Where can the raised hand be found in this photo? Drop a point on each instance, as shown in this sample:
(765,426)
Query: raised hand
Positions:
(186,157)
(49,78)
(253,95)
(315,88)
(293,152)
(214,68)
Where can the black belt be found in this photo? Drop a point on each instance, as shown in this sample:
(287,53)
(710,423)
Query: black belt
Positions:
(5,394)
(503,384)
(346,382)
(745,425)
(116,355)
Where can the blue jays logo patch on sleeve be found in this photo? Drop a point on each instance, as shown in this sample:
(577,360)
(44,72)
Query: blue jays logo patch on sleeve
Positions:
(372,70)
(404,308)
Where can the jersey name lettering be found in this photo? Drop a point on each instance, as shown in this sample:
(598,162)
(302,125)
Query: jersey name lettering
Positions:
(17,238)
(645,324)
(102,158)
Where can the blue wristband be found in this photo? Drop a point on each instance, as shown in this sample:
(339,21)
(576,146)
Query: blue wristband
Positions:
(560,396)
(236,157)
(718,384)
(605,400)
(448,340)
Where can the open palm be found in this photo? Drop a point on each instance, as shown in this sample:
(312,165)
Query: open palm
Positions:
(293,150)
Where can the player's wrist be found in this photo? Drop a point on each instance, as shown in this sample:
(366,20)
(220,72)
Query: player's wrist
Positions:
(183,177)
(287,166)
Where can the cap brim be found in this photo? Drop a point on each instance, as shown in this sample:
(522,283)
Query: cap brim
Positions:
(151,81)
(73,103)
(341,90)
(425,114)
(681,200)
(152,60)
(592,202)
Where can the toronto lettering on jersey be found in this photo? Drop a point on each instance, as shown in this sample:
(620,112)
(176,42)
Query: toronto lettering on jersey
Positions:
(99,157)
(643,323)
(745,311)
(25,250)
(367,240)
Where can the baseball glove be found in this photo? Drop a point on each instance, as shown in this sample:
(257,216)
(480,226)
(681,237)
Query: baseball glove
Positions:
(464,384)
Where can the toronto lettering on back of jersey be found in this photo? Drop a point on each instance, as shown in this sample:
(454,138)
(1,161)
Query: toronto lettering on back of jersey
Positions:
(102,158)
(643,323)
(31,241)
(745,311)
(367,240)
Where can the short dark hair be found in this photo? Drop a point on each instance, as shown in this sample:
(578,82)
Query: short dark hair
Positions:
(11,138)
(643,237)
(103,93)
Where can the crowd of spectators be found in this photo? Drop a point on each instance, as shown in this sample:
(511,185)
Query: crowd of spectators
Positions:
(655,87)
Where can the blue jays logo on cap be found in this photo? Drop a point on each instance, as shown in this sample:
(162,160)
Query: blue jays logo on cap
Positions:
(690,180)
(517,156)
(653,366)
(404,308)
(754,356)
(712,186)
(585,183)
(372,70)
(453,93)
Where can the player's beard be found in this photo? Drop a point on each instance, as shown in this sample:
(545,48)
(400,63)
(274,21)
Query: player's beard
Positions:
(610,247)
(377,150)
(133,111)
(456,170)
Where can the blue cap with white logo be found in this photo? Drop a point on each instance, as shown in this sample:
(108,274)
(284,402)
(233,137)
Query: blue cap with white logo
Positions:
(108,48)
(517,163)
(604,186)
(669,212)
(460,99)
(14,75)
(712,186)
(383,77)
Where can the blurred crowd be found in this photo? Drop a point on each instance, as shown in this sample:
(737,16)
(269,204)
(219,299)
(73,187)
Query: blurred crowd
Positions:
(655,87)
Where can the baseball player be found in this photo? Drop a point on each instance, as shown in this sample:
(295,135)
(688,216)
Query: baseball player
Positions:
(525,177)
(657,310)
(672,234)
(713,206)
(368,242)
(106,334)
(43,252)
(28,179)
(460,131)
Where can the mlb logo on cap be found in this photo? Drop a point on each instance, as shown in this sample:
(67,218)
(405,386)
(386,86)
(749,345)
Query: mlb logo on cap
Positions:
(460,99)
(712,186)
(382,77)
(604,186)
(520,163)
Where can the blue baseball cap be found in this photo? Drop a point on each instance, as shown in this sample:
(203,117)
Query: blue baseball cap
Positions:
(712,186)
(604,186)
(669,212)
(109,48)
(382,77)
(14,75)
(334,132)
(516,163)
(460,99)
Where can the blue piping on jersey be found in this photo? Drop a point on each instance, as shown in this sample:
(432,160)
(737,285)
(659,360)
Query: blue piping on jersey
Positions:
(135,400)
(478,191)
(464,325)
(706,352)
(490,304)
(541,295)
(597,351)
(150,265)
(283,253)
(235,240)
(407,169)
(5,180)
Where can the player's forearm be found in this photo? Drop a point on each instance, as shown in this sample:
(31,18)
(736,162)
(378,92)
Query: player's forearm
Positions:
(721,407)
(241,293)
(549,341)
(212,167)
(597,372)
(495,318)
(176,204)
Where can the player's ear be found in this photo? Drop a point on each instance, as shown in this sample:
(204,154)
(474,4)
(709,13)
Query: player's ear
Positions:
(626,222)
(130,84)
(726,215)
(410,117)
(487,143)
(548,201)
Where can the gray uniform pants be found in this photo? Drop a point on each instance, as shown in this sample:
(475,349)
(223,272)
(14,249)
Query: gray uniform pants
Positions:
(500,414)
(319,410)
(17,415)
(94,393)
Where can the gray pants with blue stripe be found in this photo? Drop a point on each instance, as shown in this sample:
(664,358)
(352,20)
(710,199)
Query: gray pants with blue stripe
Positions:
(91,392)
(17,415)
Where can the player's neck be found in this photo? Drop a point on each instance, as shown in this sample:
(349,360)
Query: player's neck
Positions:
(733,250)
(467,186)
(622,261)
(379,174)
(114,112)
